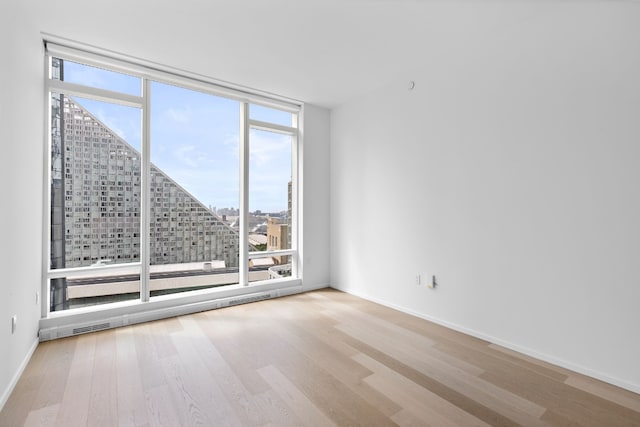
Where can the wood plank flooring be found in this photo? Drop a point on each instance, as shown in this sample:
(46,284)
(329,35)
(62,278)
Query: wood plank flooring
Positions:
(323,358)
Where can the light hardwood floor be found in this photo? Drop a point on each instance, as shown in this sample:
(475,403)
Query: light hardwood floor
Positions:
(321,358)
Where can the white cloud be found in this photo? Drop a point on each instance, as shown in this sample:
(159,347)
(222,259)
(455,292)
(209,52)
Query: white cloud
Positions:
(112,122)
(184,155)
(267,149)
(179,115)
(85,76)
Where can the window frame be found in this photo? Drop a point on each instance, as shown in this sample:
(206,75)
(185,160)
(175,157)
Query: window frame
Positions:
(148,72)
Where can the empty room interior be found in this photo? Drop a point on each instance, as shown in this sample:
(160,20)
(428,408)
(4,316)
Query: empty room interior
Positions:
(320,212)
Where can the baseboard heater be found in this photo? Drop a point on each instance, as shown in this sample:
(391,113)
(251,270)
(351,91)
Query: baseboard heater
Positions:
(162,313)
(254,298)
(92,328)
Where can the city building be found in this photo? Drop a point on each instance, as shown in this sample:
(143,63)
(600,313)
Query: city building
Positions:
(96,195)
(102,204)
(278,238)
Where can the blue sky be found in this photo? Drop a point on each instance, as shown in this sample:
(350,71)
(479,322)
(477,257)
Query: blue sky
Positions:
(195,139)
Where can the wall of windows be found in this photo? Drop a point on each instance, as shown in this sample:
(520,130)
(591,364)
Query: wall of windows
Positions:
(162,184)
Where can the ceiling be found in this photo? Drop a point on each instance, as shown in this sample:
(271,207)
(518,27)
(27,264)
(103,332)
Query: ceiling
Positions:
(323,52)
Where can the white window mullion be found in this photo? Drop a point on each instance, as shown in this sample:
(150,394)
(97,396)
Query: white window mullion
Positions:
(279,252)
(244,195)
(145,203)
(296,209)
(272,127)
(46,231)
(145,74)
(98,94)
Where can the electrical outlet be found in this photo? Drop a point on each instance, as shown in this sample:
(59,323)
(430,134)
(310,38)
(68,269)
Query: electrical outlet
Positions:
(432,283)
(418,280)
(14,323)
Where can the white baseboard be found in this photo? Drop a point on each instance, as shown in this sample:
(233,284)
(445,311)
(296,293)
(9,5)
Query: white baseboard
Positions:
(16,377)
(309,288)
(524,350)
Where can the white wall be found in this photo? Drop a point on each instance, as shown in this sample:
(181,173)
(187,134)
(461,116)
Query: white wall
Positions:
(21,142)
(511,172)
(316,197)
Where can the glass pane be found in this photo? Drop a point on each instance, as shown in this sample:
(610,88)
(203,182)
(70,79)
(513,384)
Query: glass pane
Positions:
(270,115)
(95,288)
(269,195)
(87,75)
(95,188)
(194,190)
(269,267)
